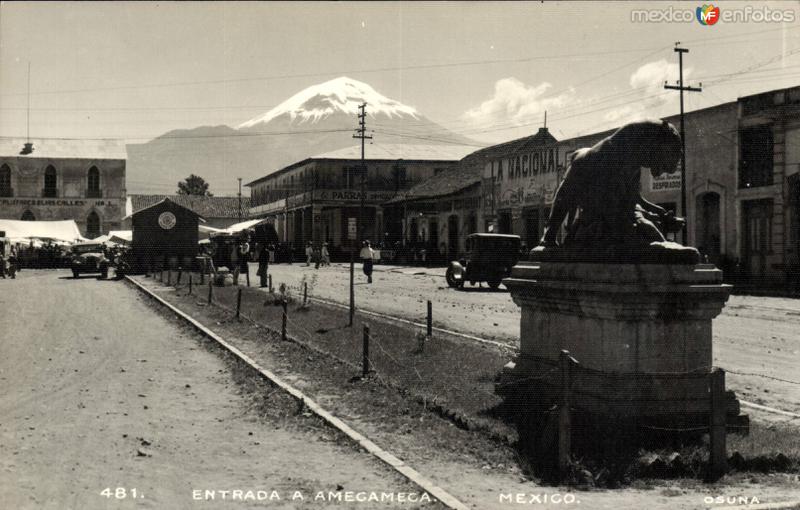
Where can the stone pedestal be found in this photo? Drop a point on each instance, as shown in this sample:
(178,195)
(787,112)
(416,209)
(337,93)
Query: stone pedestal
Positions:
(641,334)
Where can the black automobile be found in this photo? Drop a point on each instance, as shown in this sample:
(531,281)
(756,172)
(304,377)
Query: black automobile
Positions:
(89,258)
(489,258)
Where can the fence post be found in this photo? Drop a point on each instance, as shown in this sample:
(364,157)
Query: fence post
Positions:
(718,449)
(210,290)
(365,369)
(247,275)
(564,418)
(238,302)
(180,273)
(190,284)
(305,293)
(203,273)
(430,318)
(269,277)
(161,275)
(169,277)
(283,321)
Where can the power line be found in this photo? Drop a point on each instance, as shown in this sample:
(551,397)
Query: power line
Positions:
(308,75)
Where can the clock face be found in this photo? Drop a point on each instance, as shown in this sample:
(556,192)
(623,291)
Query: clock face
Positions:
(167,220)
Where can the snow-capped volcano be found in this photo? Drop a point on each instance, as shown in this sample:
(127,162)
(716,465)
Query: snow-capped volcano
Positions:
(340,95)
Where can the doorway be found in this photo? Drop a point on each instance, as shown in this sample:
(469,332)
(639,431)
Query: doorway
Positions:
(452,237)
(707,226)
(756,227)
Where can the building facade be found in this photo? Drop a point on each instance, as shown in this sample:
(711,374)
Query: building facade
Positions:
(64,180)
(319,199)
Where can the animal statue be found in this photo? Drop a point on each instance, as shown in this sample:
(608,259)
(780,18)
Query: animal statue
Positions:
(607,218)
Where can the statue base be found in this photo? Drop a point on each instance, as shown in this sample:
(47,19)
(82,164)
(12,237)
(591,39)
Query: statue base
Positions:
(641,335)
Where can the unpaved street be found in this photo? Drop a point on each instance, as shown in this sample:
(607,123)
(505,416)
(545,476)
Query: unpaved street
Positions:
(100,391)
(756,335)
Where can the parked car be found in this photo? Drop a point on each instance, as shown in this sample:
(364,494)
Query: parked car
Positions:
(89,258)
(488,258)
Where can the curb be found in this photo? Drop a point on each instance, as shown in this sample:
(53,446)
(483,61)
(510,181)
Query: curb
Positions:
(392,461)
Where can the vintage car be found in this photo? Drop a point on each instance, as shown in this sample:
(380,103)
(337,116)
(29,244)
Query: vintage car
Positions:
(89,258)
(488,258)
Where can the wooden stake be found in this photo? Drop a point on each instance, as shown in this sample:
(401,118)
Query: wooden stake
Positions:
(305,293)
(718,454)
(430,318)
(365,368)
(210,290)
(285,317)
(190,284)
(238,302)
(564,418)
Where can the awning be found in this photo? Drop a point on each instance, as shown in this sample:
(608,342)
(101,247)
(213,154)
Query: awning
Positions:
(65,231)
(241,227)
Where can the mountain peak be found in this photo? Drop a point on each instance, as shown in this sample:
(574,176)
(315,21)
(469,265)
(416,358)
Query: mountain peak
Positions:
(340,95)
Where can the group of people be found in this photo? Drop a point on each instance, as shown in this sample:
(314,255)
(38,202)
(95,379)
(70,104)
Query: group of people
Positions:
(8,261)
(319,256)
(322,257)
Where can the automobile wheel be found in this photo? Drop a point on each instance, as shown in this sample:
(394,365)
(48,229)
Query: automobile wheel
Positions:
(104,274)
(494,283)
(451,278)
(75,273)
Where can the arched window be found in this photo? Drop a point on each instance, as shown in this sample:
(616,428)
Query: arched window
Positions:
(28,216)
(50,182)
(5,182)
(92,225)
(93,188)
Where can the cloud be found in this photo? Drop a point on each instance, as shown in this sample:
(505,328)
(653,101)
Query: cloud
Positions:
(648,95)
(514,103)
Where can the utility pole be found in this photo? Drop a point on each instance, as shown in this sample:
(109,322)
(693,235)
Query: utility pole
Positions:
(361,134)
(240,199)
(680,51)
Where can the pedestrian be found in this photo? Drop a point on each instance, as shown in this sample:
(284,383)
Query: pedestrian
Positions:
(244,258)
(263,265)
(367,259)
(326,256)
(309,253)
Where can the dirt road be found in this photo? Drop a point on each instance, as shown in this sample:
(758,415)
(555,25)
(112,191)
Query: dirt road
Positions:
(100,392)
(756,335)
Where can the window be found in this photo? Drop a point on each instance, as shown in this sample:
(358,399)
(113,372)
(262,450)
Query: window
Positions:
(93,188)
(50,182)
(755,163)
(399,175)
(92,225)
(5,182)
(351,177)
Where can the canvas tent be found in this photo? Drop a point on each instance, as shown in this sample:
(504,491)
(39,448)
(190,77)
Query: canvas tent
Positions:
(19,231)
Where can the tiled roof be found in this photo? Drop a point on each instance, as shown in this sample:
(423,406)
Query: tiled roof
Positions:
(64,149)
(446,182)
(207,207)
(388,151)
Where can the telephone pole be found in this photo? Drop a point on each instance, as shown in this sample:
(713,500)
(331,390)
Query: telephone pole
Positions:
(240,199)
(361,134)
(680,51)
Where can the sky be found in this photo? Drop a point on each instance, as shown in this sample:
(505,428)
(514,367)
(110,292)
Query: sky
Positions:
(489,70)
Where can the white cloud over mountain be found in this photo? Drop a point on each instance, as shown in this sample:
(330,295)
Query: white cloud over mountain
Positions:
(515,103)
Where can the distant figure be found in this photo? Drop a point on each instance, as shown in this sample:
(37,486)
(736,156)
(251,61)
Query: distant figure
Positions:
(367,258)
(326,256)
(244,257)
(309,253)
(263,265)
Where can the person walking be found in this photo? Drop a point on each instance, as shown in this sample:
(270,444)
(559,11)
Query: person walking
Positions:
(326,256)
(263,265)
(309,253)
(367,256)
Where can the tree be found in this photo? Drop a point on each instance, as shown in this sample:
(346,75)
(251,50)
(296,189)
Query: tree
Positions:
(194,185)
